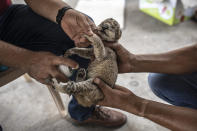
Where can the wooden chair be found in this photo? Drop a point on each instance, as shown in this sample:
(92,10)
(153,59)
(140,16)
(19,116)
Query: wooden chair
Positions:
(12,74)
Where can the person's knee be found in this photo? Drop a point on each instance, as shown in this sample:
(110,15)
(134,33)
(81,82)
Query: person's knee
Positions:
(157,82)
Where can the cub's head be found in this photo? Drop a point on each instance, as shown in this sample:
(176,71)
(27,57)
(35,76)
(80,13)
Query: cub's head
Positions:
(109,30)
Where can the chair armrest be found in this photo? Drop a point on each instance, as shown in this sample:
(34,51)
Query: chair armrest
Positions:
(9,75)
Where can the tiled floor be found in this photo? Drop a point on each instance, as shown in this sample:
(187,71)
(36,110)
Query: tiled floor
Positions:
(29,106)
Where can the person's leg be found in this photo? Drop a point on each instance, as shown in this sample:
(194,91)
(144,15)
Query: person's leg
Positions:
(22,27)
(179,90)
(1,128)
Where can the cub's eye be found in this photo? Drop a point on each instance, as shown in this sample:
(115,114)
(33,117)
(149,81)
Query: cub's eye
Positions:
(104,27)
(115,24)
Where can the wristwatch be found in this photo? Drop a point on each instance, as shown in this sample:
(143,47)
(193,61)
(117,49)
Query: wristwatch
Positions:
(61,13)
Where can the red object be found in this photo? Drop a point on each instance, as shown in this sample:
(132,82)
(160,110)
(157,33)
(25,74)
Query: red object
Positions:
(4,4)
(164,9)
(182,18)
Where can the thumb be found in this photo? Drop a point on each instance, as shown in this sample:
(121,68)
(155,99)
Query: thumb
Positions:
(115,46)
(86,27)
(104,87)
(91,24)
(67,62)
(89,31)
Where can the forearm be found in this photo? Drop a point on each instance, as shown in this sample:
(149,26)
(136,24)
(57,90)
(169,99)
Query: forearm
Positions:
(172,117)
(179,61)
(46,8)
(13,56)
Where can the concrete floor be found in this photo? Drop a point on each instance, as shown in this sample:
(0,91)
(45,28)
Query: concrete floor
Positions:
(29,106)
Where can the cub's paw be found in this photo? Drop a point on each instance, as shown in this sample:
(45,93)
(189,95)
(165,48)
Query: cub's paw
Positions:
(71,88)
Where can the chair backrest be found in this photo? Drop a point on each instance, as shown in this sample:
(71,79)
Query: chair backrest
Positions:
(9,75)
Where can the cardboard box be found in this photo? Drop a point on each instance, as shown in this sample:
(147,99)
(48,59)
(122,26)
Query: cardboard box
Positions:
(168,11)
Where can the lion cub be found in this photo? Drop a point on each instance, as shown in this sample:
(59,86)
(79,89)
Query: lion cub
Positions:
(103,65)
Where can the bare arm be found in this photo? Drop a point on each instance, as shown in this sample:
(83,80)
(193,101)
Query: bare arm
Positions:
(179,61)
(39,65)
(74,23)
(46,8)
(172,117)
(13,56)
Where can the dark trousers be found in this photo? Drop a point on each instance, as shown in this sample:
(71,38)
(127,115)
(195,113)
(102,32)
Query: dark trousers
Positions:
(179,90)
(20,26)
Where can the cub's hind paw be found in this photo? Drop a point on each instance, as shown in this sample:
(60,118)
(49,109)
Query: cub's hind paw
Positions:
(71,88)
(81,75)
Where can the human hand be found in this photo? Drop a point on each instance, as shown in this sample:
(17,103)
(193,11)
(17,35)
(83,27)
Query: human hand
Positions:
(119,97)
(126,60)
(76,24)
(43,66)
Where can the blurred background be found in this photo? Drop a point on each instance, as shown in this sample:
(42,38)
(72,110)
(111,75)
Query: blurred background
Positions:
(28,106)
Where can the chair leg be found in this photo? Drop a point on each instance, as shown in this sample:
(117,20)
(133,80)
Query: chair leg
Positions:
(28,78)
(58,101)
